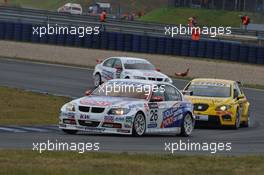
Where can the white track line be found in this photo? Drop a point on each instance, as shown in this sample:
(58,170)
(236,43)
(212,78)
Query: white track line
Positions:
(33,129)
(11,129)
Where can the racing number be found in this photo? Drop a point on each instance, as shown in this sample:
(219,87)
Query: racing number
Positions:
(154,115)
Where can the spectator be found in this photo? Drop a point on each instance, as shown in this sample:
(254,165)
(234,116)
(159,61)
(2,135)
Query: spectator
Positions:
(103,16)
(245,20)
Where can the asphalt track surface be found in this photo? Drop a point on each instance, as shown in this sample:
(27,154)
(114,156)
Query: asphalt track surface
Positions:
(73,81)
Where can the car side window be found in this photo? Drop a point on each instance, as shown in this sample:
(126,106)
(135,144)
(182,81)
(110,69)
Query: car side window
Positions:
(172,94)
(109,62)
(118,63)
(159,93)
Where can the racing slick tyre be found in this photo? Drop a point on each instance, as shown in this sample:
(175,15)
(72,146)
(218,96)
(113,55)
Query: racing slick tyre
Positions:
(237,123)
(246,124)
(97,80)
(139,125)
(187,125)
(67,131)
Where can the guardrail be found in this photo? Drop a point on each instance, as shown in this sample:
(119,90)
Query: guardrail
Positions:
(204,48)
(138,27)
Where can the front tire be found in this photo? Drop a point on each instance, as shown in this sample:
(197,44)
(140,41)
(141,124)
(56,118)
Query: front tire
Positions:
(97,80)
(237,123)
(139,125)
(67,131)
(187,125)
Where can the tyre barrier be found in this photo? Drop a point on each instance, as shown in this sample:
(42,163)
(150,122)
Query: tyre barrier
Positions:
(177,47)
(234,56)
(26,32)
(169,46)
(112,41)
(138,43)
(18,32)
(243,54)
(185,47)
(201,49)
(210,46)
(9,31)
(194,48)
(128,38)
(226,51)
(152,48)
(252,55)
(260,55)
(144,44)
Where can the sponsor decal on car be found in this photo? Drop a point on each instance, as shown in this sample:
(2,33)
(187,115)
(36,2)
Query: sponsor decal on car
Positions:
(68,114)
(109,119)
(152,125)
(129,119)
(170,117)
(88,101)
(84,116)
(119,119)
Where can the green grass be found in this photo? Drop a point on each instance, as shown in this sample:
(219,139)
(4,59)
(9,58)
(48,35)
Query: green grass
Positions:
(205,17)
(21,107)
(68,163)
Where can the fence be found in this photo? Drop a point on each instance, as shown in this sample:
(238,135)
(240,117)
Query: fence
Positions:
(139,43)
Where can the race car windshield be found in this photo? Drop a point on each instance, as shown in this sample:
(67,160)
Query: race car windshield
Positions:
(140,66)
(210,91)
(122,91)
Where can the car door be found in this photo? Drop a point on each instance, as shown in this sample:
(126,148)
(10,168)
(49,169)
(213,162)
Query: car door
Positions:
(156,107)
(108,72)
(172,114)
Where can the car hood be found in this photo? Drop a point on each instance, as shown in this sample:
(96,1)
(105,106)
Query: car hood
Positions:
(106,101)
(146,73)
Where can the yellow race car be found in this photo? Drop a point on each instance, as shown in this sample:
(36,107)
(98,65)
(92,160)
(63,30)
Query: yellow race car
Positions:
(218,102)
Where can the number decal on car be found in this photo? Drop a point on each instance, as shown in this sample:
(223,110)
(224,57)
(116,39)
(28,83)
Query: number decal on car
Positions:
(154,115)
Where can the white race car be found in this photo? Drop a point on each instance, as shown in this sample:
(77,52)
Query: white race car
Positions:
(124,106)
(127,68)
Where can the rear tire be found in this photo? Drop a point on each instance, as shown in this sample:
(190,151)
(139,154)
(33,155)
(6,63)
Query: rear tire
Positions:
(139,125)
(187,125)
(97,80)
(68,131)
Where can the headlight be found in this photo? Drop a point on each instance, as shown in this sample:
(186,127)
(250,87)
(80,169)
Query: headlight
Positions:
(223,108)
(168,80)
(70,107)
(138,77)
(118,111)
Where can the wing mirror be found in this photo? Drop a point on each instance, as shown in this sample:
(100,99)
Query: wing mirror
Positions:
(185,92)
(156,99)
(239,97)
(88,92)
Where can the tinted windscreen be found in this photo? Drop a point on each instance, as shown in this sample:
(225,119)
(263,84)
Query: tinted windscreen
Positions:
(210,89)
(144,66)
